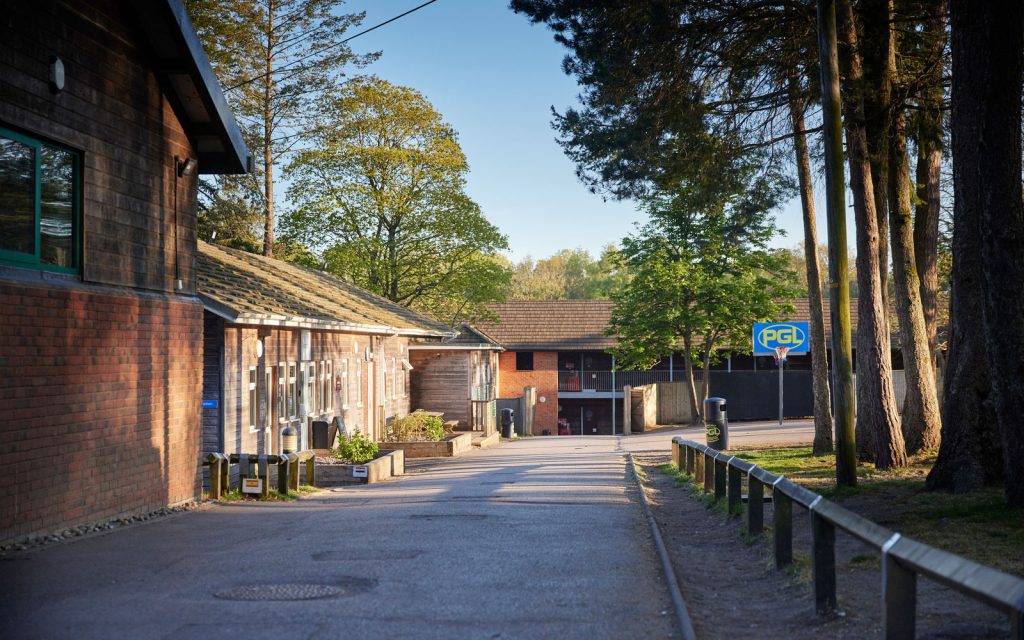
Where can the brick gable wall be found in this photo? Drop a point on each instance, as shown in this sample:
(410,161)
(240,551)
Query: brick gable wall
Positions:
(544,377)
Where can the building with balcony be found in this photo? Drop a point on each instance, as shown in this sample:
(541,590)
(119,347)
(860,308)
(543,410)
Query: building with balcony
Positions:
(559,348)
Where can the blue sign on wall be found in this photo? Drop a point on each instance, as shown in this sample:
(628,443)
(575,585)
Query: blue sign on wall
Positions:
(210,404)
(768,335)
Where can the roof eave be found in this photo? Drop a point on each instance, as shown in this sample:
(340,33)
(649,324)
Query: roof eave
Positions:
(190,83)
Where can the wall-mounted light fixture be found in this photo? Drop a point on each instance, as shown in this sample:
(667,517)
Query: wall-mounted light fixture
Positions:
(56,74)
(186,167)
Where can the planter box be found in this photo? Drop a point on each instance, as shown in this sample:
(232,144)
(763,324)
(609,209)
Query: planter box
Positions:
(446,448)
(384,466)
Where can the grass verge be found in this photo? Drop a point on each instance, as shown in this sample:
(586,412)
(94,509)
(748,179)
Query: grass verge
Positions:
(975,525)
(274,496)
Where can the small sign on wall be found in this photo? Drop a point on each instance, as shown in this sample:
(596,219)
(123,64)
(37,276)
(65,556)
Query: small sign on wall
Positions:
(210,404)
(252,485)
(360,471)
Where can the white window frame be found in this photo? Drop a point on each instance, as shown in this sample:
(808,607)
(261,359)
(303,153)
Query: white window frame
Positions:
(309,389)
(293,389)
(252,400)
(282,392)
(327,386)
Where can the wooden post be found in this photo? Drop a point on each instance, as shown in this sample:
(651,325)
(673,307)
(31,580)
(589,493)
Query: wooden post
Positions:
(698,465)
(293,473)
(755,506)
(243,468)
(720,469)
(783,521)
(282,473)
(311,471)
(899,598)
(691,455)
(735,490)
(627,410)
(225,474)
(263,473)
(823,551)
(677,458)
(709,472)
(214,462)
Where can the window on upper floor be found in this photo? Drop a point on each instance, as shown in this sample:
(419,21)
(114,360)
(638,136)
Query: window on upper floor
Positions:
(40,203)
(524,361)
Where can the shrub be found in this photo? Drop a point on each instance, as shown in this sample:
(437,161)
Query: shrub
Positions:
(356,448)
(415,426)
(433,428)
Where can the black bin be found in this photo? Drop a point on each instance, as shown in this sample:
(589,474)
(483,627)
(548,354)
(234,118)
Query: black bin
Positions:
(507,423)
(716,424)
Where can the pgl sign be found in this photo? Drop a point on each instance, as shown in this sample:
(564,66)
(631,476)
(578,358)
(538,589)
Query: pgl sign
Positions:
(769,335)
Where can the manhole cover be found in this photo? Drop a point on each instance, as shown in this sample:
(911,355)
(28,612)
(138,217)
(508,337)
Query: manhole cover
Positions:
(260,592)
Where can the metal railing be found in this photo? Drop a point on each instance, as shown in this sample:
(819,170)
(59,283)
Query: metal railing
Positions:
(903,559)
(602,380)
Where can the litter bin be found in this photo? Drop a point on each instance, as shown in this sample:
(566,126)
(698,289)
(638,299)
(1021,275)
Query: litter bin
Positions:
(289,439)
(507,423)
(716,424)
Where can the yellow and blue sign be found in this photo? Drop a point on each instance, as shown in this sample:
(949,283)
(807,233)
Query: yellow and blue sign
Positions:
(768,335)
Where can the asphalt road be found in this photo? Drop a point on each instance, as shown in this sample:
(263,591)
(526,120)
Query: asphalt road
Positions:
(540,538)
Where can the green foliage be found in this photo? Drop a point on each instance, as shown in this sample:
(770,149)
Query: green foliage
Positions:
(415,426)
(275,61)
(381,194)
(356,448)
(703,271)
(570,274)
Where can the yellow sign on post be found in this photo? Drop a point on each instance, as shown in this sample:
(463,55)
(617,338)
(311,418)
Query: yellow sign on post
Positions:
(252,485)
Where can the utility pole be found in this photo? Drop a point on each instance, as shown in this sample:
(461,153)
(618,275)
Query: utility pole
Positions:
(838,264)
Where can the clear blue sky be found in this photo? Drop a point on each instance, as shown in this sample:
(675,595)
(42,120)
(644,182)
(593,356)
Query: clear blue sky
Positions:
(494,77)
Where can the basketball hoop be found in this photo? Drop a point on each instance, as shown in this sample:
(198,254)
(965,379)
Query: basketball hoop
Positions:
(780,355)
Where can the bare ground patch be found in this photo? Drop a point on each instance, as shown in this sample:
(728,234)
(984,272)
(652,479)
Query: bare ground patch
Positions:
(731,587)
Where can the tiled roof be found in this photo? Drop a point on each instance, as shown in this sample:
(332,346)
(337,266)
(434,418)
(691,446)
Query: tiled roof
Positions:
(539,325)
(470,336)
(245,287)
(543,325)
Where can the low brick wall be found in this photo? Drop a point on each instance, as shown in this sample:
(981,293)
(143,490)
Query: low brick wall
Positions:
(446,448)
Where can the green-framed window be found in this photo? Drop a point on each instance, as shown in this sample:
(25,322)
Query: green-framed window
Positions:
(40,203)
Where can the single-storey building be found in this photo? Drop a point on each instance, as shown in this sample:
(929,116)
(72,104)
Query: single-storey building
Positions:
(458,377)
(284,345)
(108,111)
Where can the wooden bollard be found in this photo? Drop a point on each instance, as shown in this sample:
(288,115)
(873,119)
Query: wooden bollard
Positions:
(735,490)
(782,506)
(755,505)
(720,469)
(823,552)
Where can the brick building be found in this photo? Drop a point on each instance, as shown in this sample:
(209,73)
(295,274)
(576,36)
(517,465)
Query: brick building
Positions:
(560,348)
(107,111)
(286,346)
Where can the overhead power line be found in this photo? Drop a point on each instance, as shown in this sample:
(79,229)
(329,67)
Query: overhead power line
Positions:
(333,46)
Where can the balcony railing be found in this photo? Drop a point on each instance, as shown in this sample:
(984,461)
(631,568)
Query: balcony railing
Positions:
(482,392)
(602,380)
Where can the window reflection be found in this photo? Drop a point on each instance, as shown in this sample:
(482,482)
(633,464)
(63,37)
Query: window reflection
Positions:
(56,226)
(17,197)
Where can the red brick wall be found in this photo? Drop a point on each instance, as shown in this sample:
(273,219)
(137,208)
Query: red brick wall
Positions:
(544,377)
(100,404)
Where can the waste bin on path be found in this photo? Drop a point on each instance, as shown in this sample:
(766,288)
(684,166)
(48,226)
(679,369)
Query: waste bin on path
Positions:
(716,424)
(507,423)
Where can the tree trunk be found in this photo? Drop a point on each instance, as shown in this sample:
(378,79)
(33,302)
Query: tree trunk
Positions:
(838,265)
(691,389)
(819,353)
(988,61)
(928,175)
(268,147)
(878,422)
(877,51)
(921,419)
